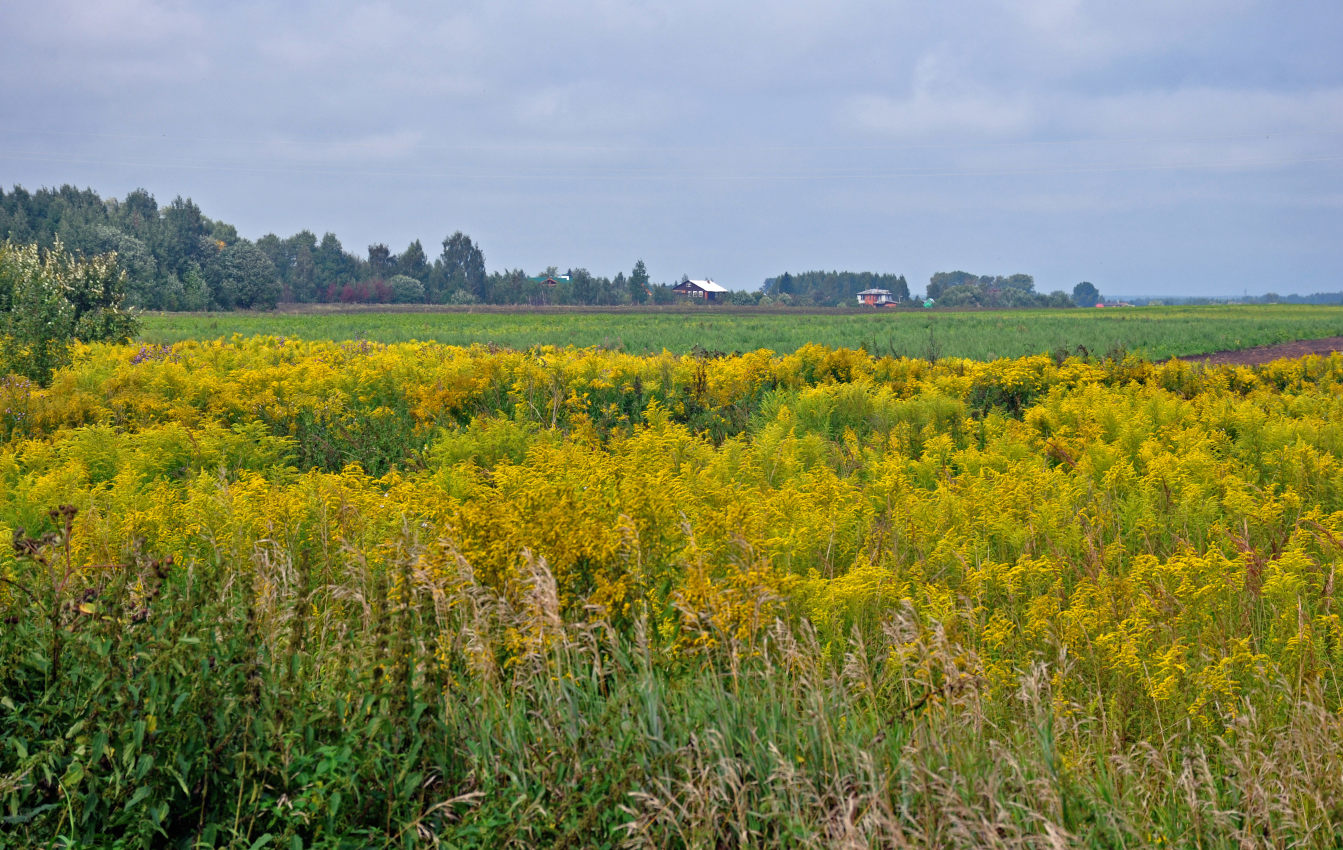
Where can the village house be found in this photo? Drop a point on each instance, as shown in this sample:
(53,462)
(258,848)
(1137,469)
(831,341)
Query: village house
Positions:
(705,290)
(876,297)
(549,280)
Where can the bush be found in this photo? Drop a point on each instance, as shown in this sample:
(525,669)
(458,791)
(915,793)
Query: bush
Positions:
(49,299)
(406,290)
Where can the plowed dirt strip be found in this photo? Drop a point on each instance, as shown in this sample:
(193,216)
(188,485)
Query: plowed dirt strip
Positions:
(1269,353)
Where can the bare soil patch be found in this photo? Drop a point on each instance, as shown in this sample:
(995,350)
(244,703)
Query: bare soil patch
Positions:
(1268,353)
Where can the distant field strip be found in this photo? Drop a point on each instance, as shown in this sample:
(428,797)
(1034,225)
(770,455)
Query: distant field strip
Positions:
(1154,332)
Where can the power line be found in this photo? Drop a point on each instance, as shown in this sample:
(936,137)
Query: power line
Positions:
(561,147)
(599,173)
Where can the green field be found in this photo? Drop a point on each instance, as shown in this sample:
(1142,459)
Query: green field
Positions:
(1154,332)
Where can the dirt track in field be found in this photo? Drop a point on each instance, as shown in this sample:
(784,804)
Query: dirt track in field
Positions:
(1268,353)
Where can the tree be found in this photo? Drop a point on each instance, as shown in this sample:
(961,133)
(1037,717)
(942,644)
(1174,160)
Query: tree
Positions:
(188,293)
(295,264)
(412,262)
(962,295)
(195,290)
(899,288)
(180,236)
(380,262)
(638,283)
(133,257)
(463,265)
(49,299)
(301,252)
(1085,294)
(138,214)
(582,288)
(333,268)
(221,231)
(274,248)
(243,277)
(831,288)
(940,282)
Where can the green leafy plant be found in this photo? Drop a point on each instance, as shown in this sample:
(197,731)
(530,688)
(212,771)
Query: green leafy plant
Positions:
(49,299)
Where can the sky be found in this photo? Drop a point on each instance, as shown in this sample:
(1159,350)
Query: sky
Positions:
(1151,147)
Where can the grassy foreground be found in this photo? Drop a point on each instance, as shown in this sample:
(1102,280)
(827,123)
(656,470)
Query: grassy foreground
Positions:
(1154,332)
(313,594)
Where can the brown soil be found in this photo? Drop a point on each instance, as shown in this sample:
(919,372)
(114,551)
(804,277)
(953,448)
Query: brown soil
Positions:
(1267,353)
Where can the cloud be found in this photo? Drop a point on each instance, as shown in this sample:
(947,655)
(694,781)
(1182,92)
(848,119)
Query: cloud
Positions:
(929,117)
(1066,130)
(105,48)
(376,147)
(1071,35)
(592,113)
(943,103)
(1203,112)
(690,114)
(122,24)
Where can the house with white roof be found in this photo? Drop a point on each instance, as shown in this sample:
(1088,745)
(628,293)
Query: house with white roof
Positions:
(876,297)
(705,290)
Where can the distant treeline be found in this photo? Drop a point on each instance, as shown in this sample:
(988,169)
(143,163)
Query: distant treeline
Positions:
(177,258)
(945,289)
(962,289)
(1318,298)
(830,289)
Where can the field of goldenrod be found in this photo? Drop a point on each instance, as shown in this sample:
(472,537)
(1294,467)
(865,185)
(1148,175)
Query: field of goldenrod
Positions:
(803,599)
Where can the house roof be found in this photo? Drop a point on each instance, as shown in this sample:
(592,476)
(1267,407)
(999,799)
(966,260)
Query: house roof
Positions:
(706,285)
(875,292)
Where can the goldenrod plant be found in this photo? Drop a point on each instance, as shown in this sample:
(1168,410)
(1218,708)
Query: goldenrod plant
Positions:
(352,594)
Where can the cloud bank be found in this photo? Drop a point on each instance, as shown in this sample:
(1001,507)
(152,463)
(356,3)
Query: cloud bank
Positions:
(1149,147)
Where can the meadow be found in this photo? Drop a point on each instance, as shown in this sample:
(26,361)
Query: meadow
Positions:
(1153,332)
(287,592)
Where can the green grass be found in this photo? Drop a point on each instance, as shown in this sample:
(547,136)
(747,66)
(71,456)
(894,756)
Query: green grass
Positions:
(1155,332)
(283,708)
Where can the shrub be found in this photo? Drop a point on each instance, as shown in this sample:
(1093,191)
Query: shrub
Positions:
(49,299)
(406,289)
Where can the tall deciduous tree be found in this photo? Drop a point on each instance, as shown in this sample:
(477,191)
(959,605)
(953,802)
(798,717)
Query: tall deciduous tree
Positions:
(940,282)
(301,251)
(243,277)
(463,265)
(1085,294)
(412,262)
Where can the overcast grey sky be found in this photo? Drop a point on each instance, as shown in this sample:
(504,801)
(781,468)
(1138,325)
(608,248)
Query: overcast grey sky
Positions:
(1149,146)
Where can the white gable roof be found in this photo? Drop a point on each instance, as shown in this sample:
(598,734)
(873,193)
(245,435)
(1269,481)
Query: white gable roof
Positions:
(708,285)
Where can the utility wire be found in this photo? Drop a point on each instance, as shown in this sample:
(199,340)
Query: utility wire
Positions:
(600,173)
